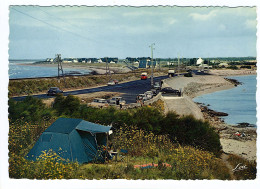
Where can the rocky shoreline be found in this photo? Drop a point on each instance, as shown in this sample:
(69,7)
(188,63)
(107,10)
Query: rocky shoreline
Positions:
(235,139)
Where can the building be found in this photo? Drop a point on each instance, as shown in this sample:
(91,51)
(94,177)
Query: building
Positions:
(199,61)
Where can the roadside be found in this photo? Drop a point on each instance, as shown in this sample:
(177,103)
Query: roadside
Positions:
(86,98)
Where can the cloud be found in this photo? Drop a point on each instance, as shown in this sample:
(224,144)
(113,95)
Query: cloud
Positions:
(171,21)
(203,17)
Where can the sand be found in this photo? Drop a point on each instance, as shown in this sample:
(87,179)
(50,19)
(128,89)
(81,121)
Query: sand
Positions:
(199,85)
(98,68)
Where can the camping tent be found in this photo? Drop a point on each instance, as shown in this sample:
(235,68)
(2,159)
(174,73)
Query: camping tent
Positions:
(73,139)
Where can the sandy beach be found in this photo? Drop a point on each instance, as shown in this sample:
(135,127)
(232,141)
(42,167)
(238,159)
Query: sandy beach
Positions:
(244,146)
(99,69)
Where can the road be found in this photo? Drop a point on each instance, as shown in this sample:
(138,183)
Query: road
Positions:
(130,89)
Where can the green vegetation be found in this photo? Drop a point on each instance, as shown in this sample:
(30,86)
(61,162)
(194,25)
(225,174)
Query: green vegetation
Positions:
(233,67)
(189,147)
(245,170)
(31,109)
(185,130)
(183,162)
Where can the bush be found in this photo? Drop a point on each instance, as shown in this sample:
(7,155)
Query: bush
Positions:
(49,166)
(66,106)
(249,171)
(189,131)
(31,109)
(233,67)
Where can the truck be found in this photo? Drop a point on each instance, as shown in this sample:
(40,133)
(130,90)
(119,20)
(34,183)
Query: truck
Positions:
(144,76)
(171,73)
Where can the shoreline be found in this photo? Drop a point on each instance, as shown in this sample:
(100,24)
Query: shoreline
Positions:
(199,85)
(99,69)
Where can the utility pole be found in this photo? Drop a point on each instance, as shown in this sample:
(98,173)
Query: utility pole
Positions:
(178,62)
(152,48)
(106,67)
(58,60)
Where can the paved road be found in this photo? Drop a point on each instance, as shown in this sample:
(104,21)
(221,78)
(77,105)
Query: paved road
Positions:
(130,89)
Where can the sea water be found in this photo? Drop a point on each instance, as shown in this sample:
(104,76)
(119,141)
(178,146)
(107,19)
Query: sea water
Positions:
(19,69)
(238,102)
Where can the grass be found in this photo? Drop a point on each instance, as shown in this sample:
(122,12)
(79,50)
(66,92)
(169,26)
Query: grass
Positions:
(144,147)
(246,169)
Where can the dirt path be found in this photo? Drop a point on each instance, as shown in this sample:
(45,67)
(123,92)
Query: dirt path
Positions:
(224,158)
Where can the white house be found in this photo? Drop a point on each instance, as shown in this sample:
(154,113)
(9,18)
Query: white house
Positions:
(199,61)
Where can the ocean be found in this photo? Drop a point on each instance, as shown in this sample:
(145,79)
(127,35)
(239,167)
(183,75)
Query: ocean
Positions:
(238,102)
(17,70)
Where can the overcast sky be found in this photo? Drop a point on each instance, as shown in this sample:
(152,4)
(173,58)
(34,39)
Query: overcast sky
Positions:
(42,32)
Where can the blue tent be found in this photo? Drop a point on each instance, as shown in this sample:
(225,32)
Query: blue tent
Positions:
(73,139)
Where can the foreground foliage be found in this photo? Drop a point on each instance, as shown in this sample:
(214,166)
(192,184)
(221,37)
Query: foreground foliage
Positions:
(185,162)
(243,169)
(185,130)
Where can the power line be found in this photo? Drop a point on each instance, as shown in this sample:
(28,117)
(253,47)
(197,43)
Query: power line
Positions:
(56,27)
(62,29)
(55,16)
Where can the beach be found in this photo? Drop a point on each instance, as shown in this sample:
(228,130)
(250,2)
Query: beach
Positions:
(244,146)
(98,68)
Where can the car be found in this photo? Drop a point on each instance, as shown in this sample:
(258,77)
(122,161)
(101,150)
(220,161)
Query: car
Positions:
(149,94)
(117,101)
(115,81)
(157,85)
(155,91)
(142,97)
(99,103)
(112,82)
(170,90)
(54,91)
(144,76)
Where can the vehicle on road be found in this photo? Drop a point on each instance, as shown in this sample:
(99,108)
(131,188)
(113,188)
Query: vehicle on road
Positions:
(171,73)
(117,101)
(98,103)
(169,90)
(144,76)
(54,91)
(149,94)
(113,82)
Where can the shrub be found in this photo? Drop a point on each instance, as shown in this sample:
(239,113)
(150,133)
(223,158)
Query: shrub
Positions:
(189,131)
(248,170)
(31,109)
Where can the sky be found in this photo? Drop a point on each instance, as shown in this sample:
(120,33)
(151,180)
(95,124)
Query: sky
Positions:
(38,32)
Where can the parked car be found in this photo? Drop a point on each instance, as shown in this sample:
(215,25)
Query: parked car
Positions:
(170,90)
(149,94)
(142,97)
(117,101)
(99,103)
(113,82)
(54,91)
(155,91)
(157,85)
